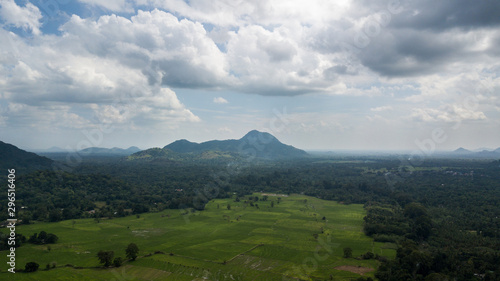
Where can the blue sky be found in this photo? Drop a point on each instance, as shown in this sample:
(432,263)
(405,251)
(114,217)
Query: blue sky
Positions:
(317,74)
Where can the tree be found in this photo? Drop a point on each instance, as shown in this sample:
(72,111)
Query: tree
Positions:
(42,237)
(368,255)
(31,267)
(117,262)
(347,252)
(105,257)
(33,238)
(414,210)
(51,238)
(132,251)
(55,215)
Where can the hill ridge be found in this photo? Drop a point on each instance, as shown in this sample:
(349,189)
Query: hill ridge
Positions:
(13,157)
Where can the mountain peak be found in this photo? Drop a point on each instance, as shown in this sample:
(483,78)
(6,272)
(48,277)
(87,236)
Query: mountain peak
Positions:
(461,150)
(182,145)
(260,136)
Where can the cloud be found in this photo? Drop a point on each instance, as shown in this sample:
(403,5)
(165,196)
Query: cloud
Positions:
(241,13)
(111,5)
(220,100)
(278,48)
(448,113)
(381,108)
(161,107)
(409,53)
(27,17)
(46,117)
(100,68)
(448,14)
(276,62)
(175,53)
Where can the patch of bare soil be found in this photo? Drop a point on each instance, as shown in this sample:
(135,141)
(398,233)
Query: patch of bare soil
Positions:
(355,269)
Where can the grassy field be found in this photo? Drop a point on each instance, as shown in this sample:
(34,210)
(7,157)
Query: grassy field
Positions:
(243,243)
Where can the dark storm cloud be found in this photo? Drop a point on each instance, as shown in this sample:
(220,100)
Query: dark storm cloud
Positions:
(426,37)
(409,53)
(432,14)
(446,14)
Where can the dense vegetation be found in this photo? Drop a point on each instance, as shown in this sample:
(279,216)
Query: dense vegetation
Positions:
(443,214)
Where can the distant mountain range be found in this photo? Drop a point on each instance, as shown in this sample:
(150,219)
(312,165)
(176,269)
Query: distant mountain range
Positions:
(91,151)
(254,144)
(11,157)
(462,152)
(109,151)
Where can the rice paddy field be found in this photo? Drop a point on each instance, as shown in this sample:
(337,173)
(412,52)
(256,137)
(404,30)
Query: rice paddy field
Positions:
(299,238)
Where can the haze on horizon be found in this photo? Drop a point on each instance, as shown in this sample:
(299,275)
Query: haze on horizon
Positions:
(363,75)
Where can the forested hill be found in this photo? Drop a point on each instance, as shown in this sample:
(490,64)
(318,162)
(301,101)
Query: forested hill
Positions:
(12,157)
(254,143)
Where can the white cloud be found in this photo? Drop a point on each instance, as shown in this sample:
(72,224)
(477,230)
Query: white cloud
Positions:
(160,106)
(172,52)
(111,5)
(381,108)
(240,13)
(27,17)
(44,116)
(448,113)
(277,62)
(105,64)
(220,100)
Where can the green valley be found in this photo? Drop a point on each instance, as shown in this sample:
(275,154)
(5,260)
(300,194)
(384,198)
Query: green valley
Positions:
(295,238)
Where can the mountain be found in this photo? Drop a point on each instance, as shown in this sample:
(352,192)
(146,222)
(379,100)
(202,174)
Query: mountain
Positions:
(254,144)
(488,154)
(477,154)
(462,150)
(12,157)
(183,146)
(109,151)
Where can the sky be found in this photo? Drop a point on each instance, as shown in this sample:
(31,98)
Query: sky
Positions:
(317,74)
